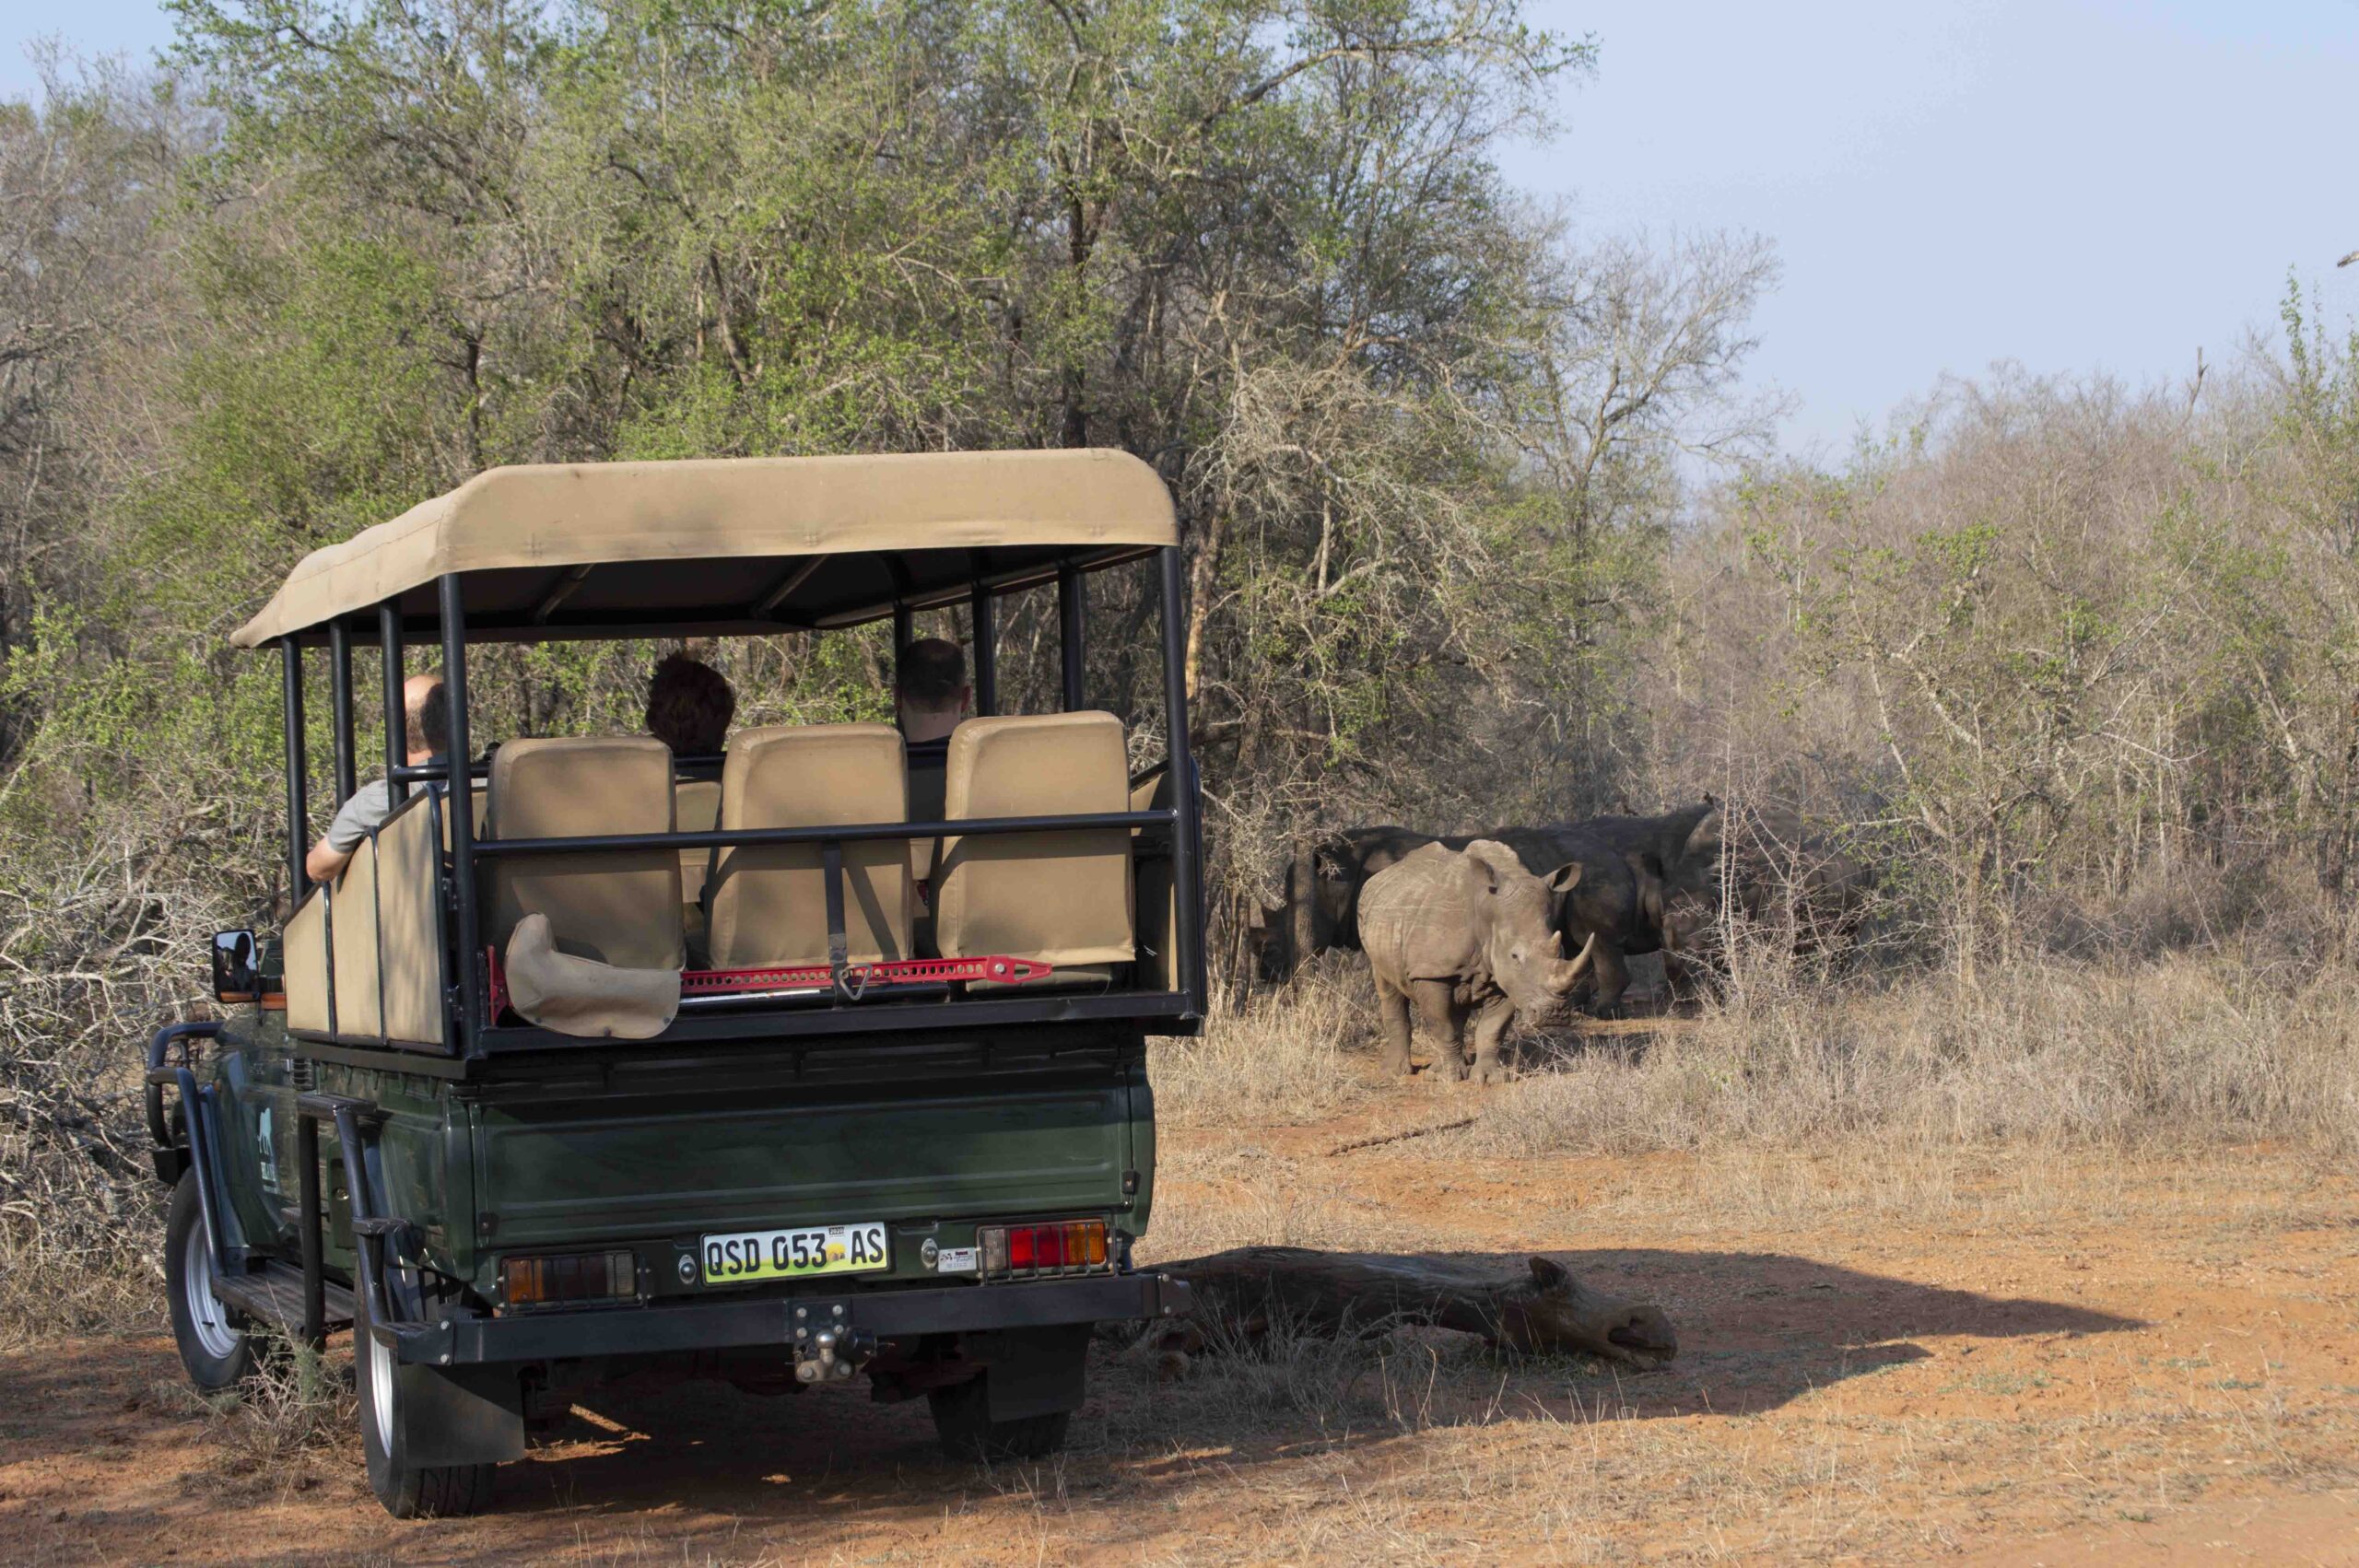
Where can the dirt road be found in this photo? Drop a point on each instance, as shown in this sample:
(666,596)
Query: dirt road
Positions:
(2010,1357)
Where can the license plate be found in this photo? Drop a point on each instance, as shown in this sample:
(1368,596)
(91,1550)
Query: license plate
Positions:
(734,1257)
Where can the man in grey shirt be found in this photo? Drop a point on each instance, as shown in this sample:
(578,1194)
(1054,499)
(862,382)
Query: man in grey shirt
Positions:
(428,709)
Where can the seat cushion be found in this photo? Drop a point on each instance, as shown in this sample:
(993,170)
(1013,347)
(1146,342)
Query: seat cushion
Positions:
(620,907)
(1063,898)
(768,902)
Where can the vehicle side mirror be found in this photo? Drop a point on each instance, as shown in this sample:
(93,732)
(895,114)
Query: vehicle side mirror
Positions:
(236,967)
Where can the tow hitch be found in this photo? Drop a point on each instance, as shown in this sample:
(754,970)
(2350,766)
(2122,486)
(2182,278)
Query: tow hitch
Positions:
(826,1344)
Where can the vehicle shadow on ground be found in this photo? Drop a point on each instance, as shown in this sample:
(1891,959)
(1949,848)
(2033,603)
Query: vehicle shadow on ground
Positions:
(1757,1330)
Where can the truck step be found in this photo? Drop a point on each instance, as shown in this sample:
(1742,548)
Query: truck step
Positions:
(275,1294)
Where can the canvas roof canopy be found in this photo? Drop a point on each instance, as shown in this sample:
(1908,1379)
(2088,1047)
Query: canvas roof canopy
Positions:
(729,545)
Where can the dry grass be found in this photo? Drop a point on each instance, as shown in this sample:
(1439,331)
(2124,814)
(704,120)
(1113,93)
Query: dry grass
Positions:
(2187,1050)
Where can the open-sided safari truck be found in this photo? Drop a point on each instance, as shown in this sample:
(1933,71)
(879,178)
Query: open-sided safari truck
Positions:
(823,1152)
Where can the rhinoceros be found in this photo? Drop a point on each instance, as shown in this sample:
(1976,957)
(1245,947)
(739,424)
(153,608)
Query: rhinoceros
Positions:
(1460,931)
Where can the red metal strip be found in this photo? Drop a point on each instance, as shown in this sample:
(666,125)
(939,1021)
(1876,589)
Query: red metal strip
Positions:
(892,972)
(815,976)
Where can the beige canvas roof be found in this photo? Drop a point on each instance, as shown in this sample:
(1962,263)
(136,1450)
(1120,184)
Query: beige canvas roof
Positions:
(709,528)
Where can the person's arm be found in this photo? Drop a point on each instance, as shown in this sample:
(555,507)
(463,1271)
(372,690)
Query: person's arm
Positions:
(326,862)
(369,807)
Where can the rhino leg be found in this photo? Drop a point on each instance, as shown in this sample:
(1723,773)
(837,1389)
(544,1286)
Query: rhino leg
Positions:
(1439,1014)
(1613,973)
(1490,1030)
(1392,1018)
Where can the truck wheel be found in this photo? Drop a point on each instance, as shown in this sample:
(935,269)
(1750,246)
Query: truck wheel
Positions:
(216,1344)
(407,1491)
(962,1418)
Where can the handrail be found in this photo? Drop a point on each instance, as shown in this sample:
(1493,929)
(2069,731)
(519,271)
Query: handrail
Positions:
(437,773)
(848,833)
(157,1044)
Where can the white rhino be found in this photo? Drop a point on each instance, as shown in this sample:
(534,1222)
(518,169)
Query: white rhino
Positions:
(1461,931)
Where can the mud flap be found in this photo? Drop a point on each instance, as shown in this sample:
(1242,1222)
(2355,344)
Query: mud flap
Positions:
(1034,1372)
(469,1415)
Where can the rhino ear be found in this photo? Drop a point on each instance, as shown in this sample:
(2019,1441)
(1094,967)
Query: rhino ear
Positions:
(1549,1274)
(1564,878)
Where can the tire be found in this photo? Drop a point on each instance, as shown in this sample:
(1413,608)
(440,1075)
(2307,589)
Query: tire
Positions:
(962,1420)
(407,1491)
(218,1346)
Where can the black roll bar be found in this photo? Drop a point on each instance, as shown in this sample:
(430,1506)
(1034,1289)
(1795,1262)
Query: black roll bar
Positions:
(977,828)
(1187,844)
(986,628)
(1072,623)
(340,702)
(389,643)
(463,825)
(299,829)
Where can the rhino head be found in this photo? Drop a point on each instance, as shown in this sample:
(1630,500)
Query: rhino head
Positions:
(1514,916)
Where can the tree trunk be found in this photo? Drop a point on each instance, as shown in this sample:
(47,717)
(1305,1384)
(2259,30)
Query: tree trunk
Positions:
(1538,1307)
(1302,907)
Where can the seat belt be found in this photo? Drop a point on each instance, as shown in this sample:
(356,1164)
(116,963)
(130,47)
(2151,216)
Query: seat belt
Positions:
(831,867)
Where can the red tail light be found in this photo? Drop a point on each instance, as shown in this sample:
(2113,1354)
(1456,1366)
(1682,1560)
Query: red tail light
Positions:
(1071,1246)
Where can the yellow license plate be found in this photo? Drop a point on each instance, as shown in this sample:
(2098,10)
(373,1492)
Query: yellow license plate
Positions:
(734,1257)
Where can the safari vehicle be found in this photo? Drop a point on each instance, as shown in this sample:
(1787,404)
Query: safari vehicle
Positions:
(832,1154)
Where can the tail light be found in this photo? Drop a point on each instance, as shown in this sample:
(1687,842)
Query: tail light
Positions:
(1070,1246)
(569,1276)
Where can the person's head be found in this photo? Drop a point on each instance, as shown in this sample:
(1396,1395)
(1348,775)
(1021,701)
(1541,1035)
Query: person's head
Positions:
(929,690)
(426,708)
(689,706)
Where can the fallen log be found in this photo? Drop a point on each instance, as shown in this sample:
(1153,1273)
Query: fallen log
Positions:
(1541,1307)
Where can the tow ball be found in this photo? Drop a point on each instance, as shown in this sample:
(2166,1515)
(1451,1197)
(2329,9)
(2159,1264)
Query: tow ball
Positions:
(825,1346)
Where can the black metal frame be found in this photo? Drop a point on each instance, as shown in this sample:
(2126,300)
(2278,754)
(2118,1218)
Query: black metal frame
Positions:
(469,1032)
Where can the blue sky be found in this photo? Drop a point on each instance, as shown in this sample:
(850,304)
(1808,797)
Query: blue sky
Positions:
(2073,185)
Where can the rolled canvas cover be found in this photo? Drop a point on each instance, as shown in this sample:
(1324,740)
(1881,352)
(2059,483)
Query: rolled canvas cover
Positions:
(1061,897)
(581,997)
(619,907)
(769,903)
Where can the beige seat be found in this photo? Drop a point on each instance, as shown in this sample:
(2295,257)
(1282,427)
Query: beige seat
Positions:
(769,903)
(1062,899)
(618,907)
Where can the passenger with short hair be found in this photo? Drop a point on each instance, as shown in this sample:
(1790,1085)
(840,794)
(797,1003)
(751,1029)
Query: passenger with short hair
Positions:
(426,708)
(930,699)
(689,705)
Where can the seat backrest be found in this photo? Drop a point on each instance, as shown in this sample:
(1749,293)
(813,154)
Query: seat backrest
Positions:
(696,809)
(303,948)
(409,925)
(352,944)
(768,902)
(618,907)
(1061,897)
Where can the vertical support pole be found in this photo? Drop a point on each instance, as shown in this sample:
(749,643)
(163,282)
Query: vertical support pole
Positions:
(316,1296)
(462,796)
(388,644)
(904,630)
(340,700)
(986,653)
(1072,624)
(1187,840)
(299,827)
